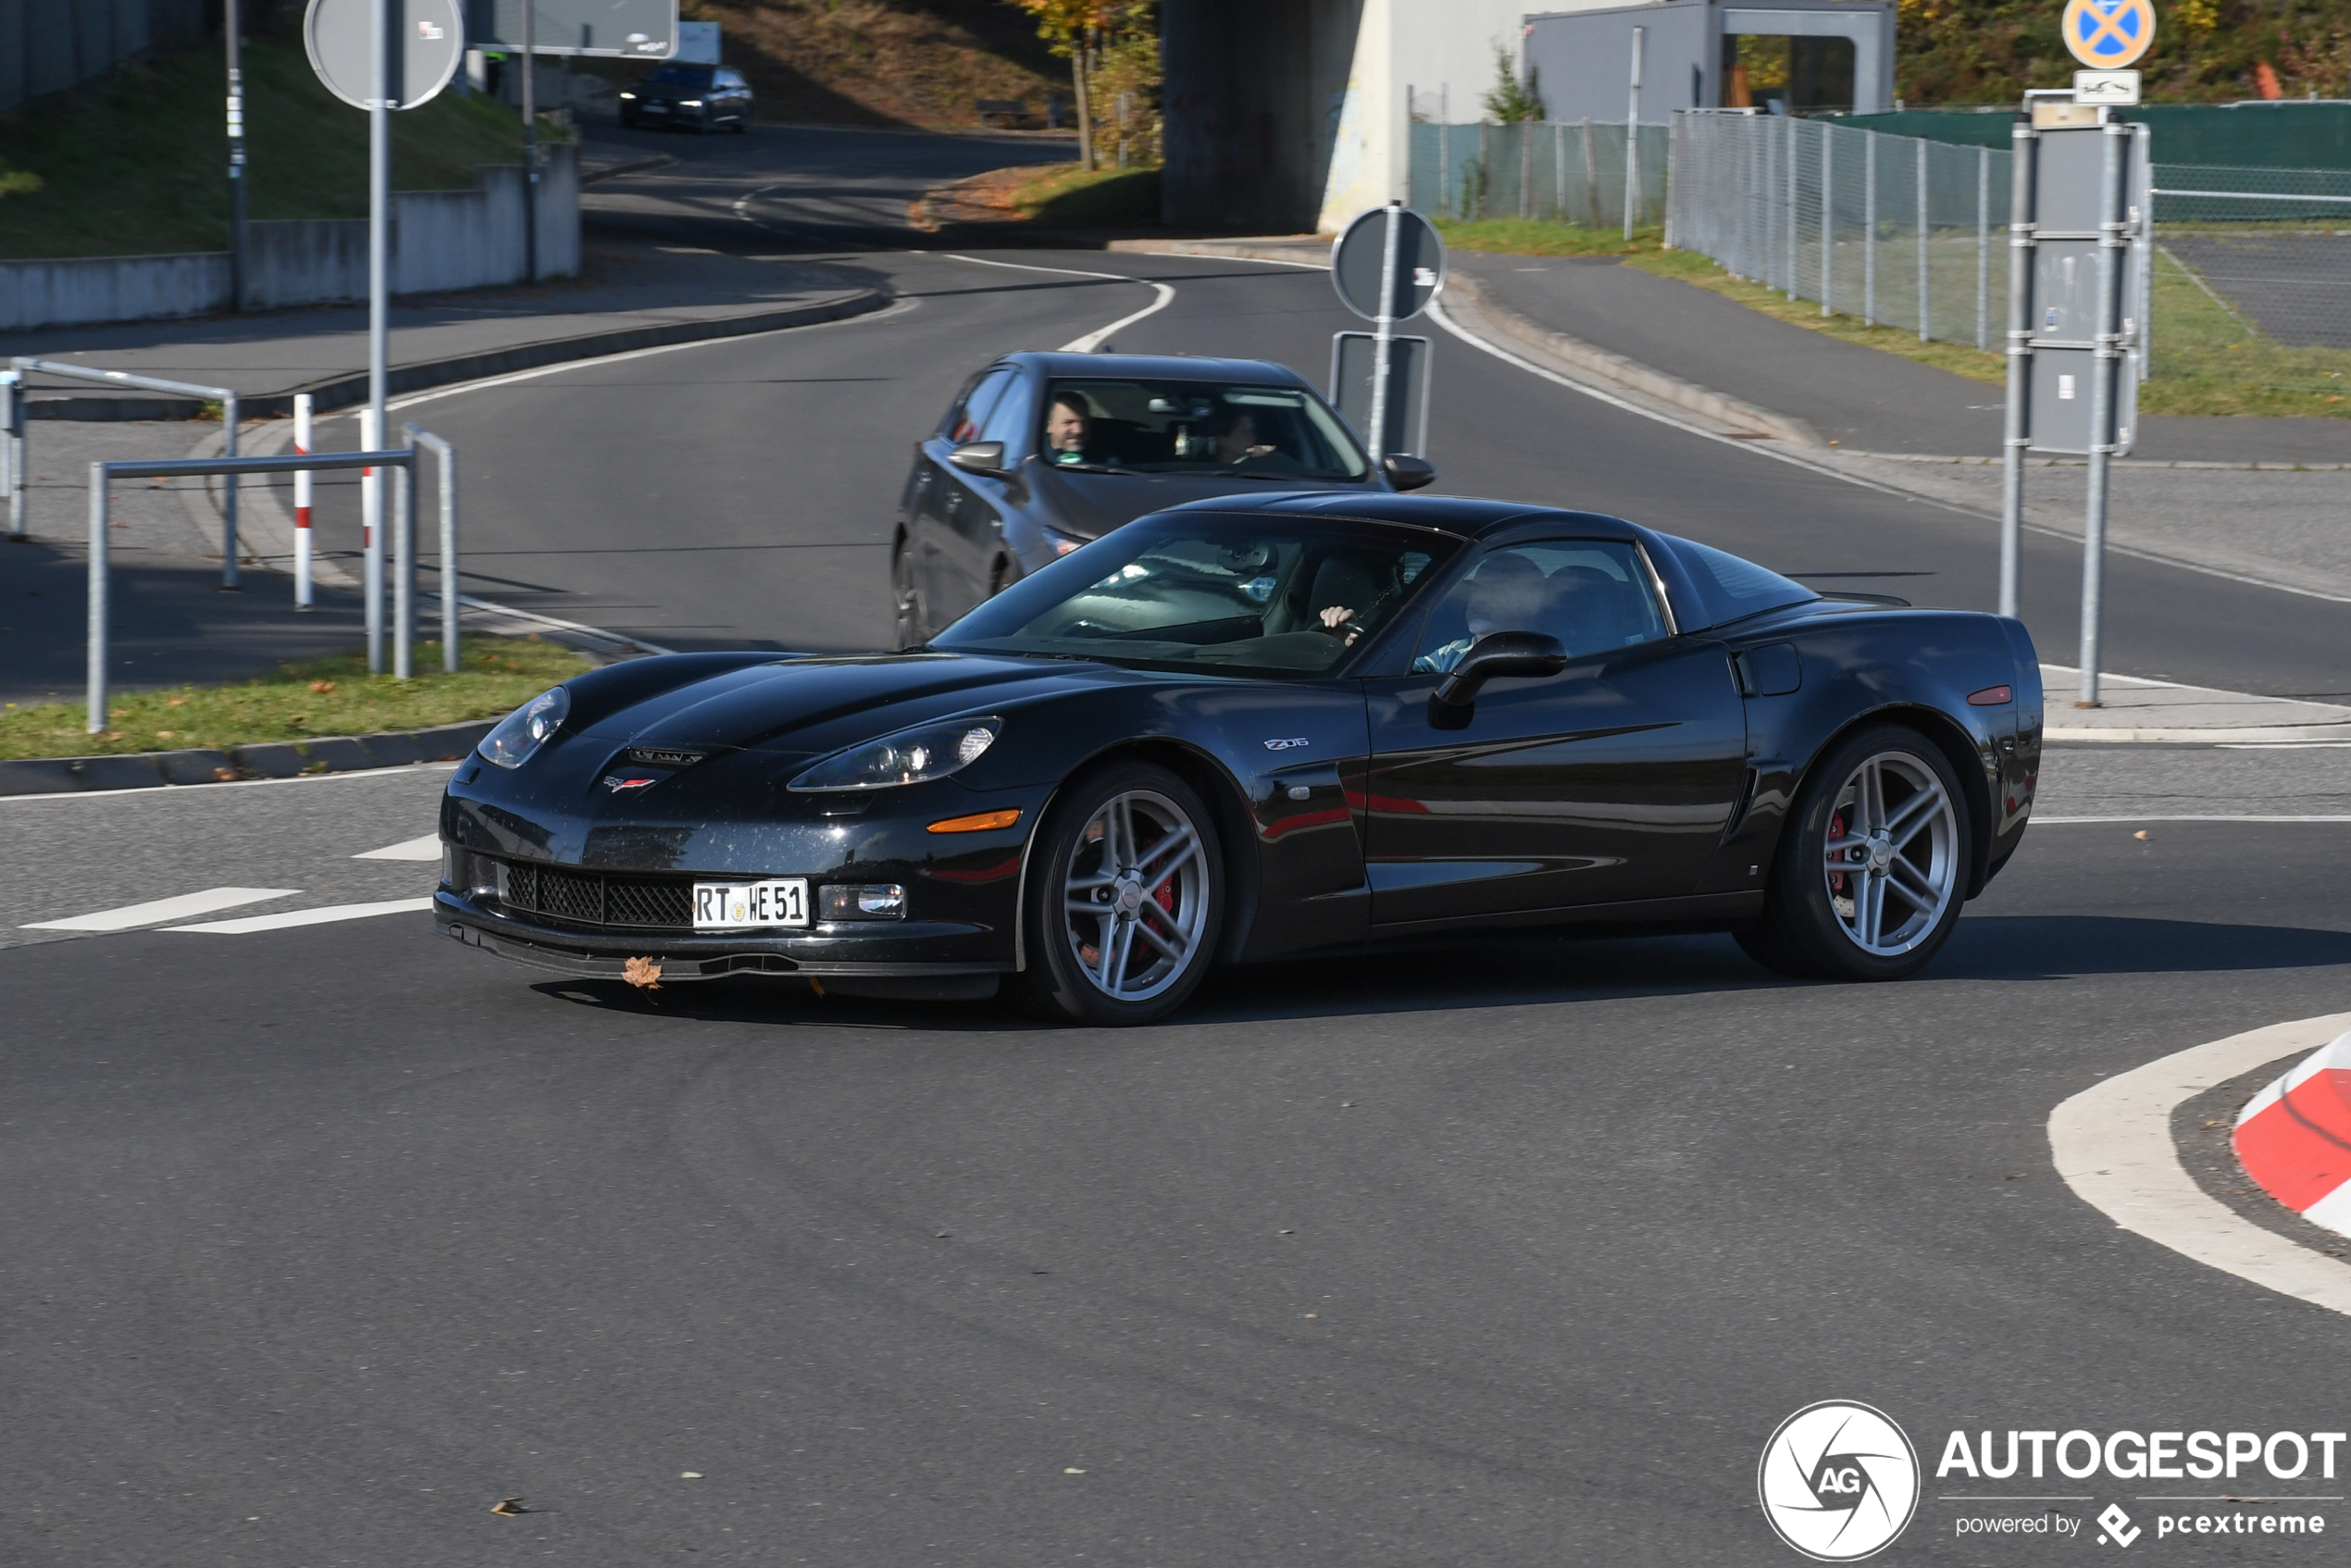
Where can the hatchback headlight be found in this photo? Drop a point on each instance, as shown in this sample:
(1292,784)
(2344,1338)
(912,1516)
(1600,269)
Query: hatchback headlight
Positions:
(526,729)
(911,757)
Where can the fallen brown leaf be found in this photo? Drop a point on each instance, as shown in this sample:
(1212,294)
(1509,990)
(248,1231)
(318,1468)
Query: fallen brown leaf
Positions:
(322,686)
(224,775)
(642,973)
(2144,836)
(175,702)
(508,1506)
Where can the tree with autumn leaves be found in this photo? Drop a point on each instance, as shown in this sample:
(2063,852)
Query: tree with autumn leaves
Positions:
(1990,51)
(1110,44)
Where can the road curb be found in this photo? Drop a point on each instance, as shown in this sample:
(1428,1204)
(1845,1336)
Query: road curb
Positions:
(348,390)
(267,759)
(2294,1137)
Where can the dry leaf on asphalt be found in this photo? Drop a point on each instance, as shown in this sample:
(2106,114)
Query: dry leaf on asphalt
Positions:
(2144,836)
(642,973)
(508,1506)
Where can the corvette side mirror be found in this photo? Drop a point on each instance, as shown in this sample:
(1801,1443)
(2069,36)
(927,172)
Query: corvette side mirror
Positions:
(1408,473)
(1495,654)
(979,458)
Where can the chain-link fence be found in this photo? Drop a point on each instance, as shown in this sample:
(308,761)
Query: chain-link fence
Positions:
(2244,284)
(1900,232)
(1568,171)
(2252,277)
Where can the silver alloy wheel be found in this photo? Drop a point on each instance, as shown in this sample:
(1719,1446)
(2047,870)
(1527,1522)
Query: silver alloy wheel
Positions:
(1892,853)
(1135,896)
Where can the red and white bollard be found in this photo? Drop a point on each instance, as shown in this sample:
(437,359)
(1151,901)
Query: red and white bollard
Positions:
(302,503)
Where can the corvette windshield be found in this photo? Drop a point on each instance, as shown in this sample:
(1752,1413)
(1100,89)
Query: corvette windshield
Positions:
(1210,592)
(1154,427)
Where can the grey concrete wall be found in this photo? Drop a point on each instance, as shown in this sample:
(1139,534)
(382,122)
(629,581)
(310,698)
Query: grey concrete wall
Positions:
(1583,61)
(440,240)
(1252,92)
(49,45)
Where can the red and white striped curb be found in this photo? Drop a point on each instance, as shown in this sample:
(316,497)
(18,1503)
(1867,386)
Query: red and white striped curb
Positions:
(2294,1137)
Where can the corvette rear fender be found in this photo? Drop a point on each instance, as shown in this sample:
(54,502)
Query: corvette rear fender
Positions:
(1967,756)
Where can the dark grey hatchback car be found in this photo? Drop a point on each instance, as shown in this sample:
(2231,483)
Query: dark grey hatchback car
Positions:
(1042,453)
(703,97)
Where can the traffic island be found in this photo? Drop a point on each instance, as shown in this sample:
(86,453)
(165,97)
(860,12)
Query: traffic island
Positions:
(2294,1137)
(323,716)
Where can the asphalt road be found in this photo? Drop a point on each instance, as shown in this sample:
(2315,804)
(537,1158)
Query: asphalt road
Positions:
(322,1240)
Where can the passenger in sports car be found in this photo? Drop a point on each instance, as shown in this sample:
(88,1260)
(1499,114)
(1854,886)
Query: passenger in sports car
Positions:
(1067,426)
(1508,593)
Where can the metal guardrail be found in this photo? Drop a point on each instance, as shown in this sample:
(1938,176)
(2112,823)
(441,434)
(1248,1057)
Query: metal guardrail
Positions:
(402,460)
(14,409)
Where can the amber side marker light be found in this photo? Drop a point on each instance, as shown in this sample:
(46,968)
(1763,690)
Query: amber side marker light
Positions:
(1990,697)
(978,823)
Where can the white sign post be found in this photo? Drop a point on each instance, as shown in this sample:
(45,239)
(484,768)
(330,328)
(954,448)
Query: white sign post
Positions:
(379,56)
(1386,267)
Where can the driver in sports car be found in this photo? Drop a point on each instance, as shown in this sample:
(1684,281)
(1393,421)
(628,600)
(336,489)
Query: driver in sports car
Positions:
(1508,593)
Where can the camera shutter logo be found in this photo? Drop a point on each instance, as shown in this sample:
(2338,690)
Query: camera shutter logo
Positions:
(1838,1481)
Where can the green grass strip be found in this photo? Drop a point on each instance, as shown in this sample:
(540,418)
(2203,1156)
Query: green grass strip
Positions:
(299,702)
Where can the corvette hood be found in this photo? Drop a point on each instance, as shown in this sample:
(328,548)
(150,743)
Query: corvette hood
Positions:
(813,706)
(1089,505)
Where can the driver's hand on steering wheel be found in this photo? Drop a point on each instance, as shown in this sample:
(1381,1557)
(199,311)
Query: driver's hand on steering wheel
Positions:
(1338,617)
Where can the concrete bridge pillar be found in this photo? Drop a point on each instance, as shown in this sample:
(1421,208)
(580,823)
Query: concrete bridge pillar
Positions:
(1252,91)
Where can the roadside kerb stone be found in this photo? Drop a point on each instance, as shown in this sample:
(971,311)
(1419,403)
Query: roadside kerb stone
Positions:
(270,759)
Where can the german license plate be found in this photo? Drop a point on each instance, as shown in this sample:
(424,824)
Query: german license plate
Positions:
(743,907)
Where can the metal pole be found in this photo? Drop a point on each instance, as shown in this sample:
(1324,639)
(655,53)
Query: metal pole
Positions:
(1591,176)
(1383,335)
(230,419)
(1868,230)
(1633,135)
(97,677)
(1559,166)
(236,162)
(1828,215)
(12,448)
(449,571)
(302,503)
(1789,159)
(2020,357)
(1927,307)
(1984,247)
(371,555)
(378,283)
(2107,359)
(404,569)
(530,144)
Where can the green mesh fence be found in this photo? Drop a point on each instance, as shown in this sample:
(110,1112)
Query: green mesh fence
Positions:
(1552,170)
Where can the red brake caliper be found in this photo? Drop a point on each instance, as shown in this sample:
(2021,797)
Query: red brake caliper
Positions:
(1836,831)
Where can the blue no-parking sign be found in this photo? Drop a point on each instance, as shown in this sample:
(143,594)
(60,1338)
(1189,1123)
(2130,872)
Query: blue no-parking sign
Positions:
(2109,34)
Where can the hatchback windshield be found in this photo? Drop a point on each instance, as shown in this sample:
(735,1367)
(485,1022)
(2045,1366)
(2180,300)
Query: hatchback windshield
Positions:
(1210,592)
(1153,427)
(681,76)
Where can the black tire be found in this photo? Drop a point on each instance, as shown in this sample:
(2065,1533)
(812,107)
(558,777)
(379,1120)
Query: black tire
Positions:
(1162,909)
(1888,915)
(1002,575)
(907,600)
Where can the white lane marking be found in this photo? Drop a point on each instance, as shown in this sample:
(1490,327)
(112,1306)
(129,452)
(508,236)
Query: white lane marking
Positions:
(2112,1144)
(307,916)
(2284,745)
(426,848)
(2062,821)
(898,308)
(375,773)
(1086,343)
(157,910)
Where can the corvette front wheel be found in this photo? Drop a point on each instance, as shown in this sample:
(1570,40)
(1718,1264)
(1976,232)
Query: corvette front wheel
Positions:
(1125,900)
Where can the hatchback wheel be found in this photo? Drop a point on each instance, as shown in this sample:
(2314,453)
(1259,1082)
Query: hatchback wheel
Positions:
(1124,898)
(909,630)
(1871,869)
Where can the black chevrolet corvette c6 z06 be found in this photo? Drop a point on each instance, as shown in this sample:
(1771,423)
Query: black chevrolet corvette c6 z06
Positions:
(1263,726)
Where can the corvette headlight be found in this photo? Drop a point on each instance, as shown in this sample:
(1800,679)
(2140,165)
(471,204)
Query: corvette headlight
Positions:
(526,729)
(933,751)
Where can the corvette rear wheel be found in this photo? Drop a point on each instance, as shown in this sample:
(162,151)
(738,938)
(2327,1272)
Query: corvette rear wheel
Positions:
(1126,898)
(1873,868)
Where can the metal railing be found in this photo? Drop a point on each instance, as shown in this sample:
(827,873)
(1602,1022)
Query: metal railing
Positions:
(400,460)
(15,415)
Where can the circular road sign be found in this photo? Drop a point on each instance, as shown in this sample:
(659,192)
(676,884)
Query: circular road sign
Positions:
(1358,254)
(427,40)
(2109,34)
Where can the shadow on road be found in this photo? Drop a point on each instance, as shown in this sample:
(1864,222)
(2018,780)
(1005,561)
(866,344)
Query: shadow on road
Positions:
(1522,970)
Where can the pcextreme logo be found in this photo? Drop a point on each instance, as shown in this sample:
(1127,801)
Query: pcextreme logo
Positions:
(1839,1481)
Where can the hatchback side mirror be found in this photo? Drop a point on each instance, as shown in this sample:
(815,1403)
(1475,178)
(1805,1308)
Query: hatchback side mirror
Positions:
(1490,657)
(979,458)
(1408,473)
